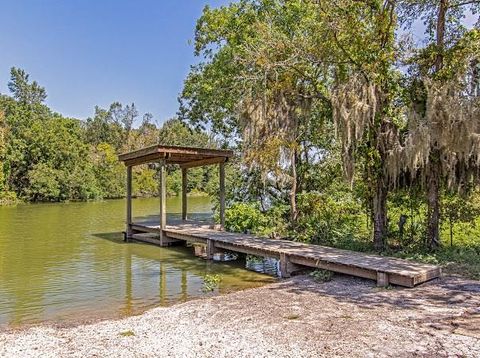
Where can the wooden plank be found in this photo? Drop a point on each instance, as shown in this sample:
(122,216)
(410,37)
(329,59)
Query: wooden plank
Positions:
(184,193)
(203,162)
(221,169)
(154,239)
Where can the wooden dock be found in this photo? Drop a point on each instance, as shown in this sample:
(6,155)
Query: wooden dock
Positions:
(292,255)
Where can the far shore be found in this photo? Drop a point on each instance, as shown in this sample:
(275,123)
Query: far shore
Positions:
(292,318)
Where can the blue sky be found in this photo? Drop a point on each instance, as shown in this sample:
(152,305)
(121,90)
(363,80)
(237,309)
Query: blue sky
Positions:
(94,52)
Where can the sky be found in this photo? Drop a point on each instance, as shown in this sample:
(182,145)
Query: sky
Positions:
(95,52)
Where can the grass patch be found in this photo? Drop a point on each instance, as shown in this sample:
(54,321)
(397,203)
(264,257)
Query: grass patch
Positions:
(128,333)
(293,316)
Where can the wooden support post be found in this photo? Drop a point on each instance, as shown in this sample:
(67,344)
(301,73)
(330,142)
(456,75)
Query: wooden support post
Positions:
(128,232)
(210,249)
(222,195)
(287,267)
(163,200)
(184,193)
(284,265)
(382,279)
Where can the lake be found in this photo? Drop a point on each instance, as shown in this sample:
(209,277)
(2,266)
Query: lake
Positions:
(64,262)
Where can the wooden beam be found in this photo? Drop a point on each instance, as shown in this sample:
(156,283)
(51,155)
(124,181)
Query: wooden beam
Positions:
(163,199)
(138,153)
(146,159)
(221,170)
(183,154)
(202,162)
(184,193)
(129,203)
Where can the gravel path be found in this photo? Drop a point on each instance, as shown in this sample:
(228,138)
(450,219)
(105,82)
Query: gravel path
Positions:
(293,318)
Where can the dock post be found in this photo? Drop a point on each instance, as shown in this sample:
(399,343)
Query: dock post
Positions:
(128,231)
(284,265)
(210,251)
(163,200)
(184,194)
(222,195)
(382,279)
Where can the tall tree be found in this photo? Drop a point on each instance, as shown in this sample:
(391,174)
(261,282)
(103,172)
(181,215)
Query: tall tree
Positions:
(270,91)
(23,90)
(362,36)
(442,142)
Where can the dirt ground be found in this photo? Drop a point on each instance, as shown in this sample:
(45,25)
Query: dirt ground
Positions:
(347,317)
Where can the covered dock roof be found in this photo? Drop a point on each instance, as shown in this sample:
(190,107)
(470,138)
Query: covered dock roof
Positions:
(186,157)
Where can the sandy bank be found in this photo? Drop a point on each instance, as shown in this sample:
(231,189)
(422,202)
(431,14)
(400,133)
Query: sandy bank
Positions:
(294,318)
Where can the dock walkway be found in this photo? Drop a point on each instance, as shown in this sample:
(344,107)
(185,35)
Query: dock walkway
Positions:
(293,255)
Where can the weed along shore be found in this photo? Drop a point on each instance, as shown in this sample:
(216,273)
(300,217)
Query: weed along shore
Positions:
(298,317)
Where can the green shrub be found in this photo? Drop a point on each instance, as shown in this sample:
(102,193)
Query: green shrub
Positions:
(331,220)
(210,282)
(8,198)
(321,275)
(242,217)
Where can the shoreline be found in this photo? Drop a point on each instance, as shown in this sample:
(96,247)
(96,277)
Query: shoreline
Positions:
(295,317)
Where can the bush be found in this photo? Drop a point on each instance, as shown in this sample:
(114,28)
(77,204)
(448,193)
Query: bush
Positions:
(210,283)
(334,221)
(321,275)
(8,198)
(248,218)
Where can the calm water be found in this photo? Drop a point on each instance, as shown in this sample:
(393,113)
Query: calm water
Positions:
(62,262)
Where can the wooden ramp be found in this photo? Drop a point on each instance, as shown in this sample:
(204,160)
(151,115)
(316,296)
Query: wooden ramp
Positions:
(293,255)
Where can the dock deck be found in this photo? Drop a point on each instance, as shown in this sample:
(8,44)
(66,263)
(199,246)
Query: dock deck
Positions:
(293,255)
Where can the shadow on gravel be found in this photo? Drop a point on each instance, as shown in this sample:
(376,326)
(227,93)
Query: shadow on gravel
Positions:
(440,293)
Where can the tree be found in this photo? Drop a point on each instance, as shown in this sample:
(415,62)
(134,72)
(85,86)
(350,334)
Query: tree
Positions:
(357,41)
(255,85)
(442,143)
(24,91)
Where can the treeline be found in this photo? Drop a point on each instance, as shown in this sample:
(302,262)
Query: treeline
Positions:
(45,156)
(353,134)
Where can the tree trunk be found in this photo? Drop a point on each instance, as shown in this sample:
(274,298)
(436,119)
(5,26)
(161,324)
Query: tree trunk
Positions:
(433,201)
(293,190)
(379,215)
(440,38)
(434,170)
(451,232)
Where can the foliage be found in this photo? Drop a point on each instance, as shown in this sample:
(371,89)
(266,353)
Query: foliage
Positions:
(248,218)
(333,220)
(320,275)
(47,157)
(210,282)
(24,91)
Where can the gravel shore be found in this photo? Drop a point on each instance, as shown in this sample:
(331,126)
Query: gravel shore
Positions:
(293,318)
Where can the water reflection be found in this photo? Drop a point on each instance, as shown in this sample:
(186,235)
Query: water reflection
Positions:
(61,262)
